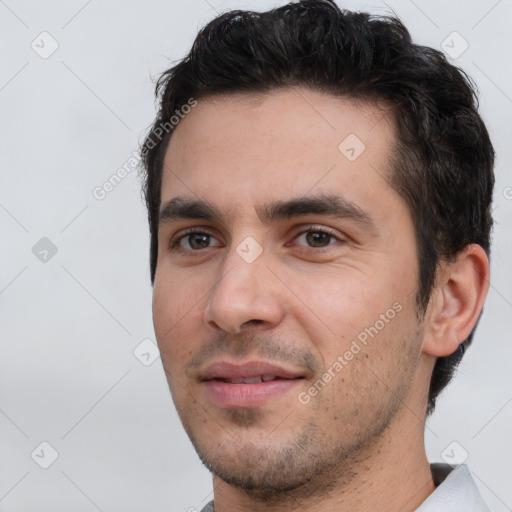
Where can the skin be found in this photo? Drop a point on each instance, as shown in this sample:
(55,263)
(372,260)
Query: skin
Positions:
(358,443)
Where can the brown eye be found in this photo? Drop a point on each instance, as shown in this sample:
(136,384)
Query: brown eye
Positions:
(194,241)
(198,241)
(316,238)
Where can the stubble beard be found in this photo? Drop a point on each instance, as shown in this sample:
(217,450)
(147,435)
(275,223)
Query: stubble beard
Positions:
(311,460)
(302,467)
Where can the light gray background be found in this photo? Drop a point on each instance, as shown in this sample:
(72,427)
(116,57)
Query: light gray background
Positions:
(69,326)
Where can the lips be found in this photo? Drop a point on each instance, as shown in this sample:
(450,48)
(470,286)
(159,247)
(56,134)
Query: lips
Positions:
(248,385)
(251,372)
(251,380)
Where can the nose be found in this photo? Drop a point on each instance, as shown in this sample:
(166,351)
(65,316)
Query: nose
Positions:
(245,294)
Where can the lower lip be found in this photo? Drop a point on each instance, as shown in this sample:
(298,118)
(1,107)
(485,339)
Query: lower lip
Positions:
(248,395)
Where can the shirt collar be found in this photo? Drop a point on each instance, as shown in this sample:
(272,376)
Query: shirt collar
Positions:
(455,491)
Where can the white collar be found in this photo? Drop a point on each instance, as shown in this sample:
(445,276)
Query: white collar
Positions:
(456,491)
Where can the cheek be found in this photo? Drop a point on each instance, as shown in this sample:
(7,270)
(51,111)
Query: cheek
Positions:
(362,318)
(177,313)
(344,301)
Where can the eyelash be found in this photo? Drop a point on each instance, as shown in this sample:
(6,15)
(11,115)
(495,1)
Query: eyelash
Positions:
(174,245)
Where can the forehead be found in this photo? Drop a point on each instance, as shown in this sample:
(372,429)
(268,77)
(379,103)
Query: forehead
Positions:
(280,143)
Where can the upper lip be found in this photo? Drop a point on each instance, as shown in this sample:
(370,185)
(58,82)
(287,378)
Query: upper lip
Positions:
(226,370)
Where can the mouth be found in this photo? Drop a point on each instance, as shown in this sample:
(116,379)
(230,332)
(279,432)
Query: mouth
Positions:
(251,380)
(247,385)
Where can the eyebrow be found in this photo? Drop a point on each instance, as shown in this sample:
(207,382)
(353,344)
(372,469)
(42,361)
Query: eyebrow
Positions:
(322,204)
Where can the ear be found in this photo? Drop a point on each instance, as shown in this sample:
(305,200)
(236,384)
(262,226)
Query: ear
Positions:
(456,301)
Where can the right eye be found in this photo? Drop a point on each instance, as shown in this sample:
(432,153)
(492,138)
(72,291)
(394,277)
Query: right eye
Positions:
(193,240)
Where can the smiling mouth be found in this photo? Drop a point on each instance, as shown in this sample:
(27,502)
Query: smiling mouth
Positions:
(252,384)
(253,380)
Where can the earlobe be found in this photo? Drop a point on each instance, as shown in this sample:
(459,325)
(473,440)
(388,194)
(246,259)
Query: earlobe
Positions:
(456,301)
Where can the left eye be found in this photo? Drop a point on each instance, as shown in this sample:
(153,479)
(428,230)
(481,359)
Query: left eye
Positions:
(317,238)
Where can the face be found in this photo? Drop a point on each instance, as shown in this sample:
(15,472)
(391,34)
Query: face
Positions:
(284,295)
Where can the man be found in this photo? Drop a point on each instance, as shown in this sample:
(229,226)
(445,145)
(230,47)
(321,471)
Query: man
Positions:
(318,190)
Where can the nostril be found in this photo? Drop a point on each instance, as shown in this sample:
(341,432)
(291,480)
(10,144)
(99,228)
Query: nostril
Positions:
(256,321)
